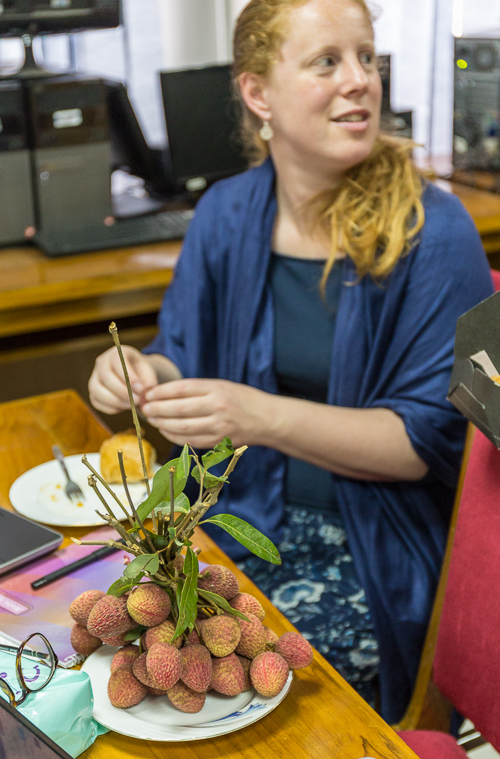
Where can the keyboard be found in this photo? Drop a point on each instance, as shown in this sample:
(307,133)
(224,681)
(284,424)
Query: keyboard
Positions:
(166,225)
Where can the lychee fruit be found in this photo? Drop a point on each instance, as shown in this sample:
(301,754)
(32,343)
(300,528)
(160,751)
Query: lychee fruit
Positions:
(83,604)
(220,580)
(196,667)
(164,665)
(125,690)
(140,671)
(253,637)
(162,633)
(221,634)
(148,604)
(109,617)
(125,657)
(271,638)
(295,650)
(246,664)
(227,675)
(269,673)
(193,639)
(116,640)
(186,699)
(83,642)
(248,604)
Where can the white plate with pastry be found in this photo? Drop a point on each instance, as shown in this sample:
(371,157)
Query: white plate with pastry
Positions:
(39,493)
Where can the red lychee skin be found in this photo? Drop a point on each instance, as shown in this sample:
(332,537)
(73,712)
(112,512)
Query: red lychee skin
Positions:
(269,673)
(295,650)
(140,671)
(186,699)
(83,642)
(221,634)
(116,640)
(246,664)
(253,637)
(271,638)
(156,692)
(109,617)
(220,580)
(227,675)
(148,605)
(248,604)
(125,690)
(196,667)
(193,639)
(83,604)
(125,657)
(161,634)
(164,665)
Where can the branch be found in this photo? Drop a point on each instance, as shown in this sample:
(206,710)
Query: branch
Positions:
(110,543)
(102,481)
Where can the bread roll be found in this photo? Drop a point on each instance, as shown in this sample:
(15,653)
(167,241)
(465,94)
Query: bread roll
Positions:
(127,442)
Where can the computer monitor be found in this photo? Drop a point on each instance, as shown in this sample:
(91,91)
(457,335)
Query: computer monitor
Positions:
(476,107)
(29,18)
(19,738)
(202,123)
(384,67)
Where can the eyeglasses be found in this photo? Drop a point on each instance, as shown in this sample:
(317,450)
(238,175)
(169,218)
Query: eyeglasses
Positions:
(35,667)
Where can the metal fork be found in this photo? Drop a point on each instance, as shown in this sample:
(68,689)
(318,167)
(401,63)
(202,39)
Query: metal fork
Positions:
(72,490)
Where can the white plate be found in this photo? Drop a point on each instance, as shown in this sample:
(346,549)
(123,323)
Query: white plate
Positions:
(39,494)
(155,719)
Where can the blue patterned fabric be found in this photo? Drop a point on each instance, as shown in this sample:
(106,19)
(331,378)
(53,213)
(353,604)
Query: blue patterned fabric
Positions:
(392,348)
(318,589)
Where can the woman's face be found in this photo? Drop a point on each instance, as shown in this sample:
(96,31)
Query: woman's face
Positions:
(324,90)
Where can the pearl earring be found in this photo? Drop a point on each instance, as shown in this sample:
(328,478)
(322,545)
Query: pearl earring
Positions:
(266,132)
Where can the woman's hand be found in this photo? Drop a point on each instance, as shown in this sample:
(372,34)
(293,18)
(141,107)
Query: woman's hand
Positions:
(201,412)
(107,388)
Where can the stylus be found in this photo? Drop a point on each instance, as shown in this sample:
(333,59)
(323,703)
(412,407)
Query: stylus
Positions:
(101,553)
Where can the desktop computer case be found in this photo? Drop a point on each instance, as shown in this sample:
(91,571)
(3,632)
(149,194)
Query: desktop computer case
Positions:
(16,209)
(71,154)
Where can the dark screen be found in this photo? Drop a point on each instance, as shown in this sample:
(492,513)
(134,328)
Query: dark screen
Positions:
(19,536)
(384,67)
(201,119)
(55,16)
(19,739)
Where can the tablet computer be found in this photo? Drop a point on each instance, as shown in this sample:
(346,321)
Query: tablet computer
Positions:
(19,738)
(22,540)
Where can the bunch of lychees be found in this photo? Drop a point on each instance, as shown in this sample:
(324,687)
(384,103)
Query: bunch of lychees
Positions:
(223,652)
(195,629)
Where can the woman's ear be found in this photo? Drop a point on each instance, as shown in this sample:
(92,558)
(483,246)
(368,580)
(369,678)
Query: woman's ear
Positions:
(252,88)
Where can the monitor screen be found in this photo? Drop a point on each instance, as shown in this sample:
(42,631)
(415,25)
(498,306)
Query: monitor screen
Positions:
(20,739)
(384,67)
(201,119)
(19,17)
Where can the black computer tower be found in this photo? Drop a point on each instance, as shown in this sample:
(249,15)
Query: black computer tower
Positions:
(16,209)
(476,107)
(71,155)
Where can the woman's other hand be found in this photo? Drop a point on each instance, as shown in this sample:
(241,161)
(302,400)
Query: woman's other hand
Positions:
(201,412)
(107,388)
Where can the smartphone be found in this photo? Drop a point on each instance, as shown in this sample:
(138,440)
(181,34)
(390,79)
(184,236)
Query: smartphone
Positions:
(22,540)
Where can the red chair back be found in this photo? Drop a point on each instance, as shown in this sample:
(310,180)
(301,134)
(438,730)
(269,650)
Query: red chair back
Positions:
(496,279)
(467,660)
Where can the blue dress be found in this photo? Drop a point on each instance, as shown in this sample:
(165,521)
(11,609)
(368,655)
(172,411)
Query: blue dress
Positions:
(392,348)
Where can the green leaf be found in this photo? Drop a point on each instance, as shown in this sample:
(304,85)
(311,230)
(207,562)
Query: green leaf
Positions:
(188,597)
(149,562)
(135,633)
(222,603)
(247,535)
(210,480)
(222,451)
(161,483)
(120,587)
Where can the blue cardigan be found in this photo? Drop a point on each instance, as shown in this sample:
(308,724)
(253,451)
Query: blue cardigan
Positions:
(392,348)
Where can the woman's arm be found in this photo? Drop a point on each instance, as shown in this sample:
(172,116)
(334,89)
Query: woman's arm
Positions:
(368,444)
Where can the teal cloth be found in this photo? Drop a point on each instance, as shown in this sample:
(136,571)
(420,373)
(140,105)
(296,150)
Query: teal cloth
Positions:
(62,710)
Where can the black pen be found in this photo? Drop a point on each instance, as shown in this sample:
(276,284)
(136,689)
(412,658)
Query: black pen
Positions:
(70,568)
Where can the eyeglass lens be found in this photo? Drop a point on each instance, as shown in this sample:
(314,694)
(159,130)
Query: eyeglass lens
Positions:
(37,663)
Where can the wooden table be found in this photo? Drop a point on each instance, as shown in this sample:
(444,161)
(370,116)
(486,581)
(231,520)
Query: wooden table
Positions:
(321,718)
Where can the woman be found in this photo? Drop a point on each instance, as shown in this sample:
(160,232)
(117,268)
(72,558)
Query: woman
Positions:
(339,386)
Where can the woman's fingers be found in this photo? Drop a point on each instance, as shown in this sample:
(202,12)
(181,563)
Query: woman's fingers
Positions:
(183,388)
(179,408)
